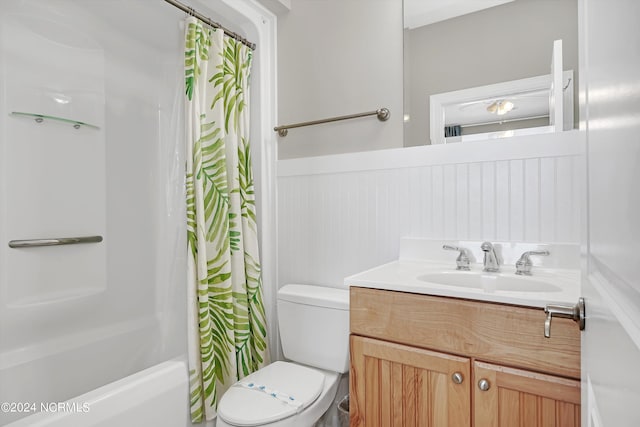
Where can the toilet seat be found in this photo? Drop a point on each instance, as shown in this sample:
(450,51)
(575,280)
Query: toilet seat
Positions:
(246,404)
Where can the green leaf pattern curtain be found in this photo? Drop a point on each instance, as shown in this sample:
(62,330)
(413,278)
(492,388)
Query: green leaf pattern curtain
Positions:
(227,334)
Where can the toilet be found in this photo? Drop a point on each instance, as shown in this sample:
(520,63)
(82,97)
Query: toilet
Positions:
(314,331)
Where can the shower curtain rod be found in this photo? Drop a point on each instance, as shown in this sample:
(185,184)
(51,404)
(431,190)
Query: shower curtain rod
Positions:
(191,11)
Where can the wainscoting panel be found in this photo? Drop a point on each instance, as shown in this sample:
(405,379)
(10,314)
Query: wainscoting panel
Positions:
(335,224)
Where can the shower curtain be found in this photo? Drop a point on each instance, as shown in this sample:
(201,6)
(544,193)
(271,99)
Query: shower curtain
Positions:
(227,334)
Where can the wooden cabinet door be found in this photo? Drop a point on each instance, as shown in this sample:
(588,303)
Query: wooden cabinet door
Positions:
(522,398)
(400,386)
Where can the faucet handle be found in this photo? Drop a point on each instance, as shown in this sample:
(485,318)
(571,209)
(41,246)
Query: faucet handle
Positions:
(523,265)
(462,262)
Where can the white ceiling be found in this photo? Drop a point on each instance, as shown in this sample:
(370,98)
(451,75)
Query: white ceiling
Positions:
(424,12)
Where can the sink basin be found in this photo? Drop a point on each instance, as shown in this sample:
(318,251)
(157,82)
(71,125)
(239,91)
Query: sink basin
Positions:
(489,282)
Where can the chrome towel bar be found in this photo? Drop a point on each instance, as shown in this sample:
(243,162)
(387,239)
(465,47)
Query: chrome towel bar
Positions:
(382,113)
(57,241)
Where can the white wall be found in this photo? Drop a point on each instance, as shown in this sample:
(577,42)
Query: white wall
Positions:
(508,42)
(342,214)
(339,57)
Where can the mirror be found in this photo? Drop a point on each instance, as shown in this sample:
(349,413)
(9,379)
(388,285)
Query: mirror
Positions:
(520,107)
(484,58)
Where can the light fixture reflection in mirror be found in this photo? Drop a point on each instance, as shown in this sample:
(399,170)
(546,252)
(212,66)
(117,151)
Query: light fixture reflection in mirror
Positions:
(500,107)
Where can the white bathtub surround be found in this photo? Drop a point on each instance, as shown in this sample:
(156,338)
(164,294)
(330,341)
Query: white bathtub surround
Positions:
(227,324)
(74,308)
(137,316)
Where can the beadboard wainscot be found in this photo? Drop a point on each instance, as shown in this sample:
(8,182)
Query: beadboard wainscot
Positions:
(341,214)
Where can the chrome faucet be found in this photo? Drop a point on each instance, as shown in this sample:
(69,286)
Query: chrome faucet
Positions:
(524,264)
(491,263)
(463,261)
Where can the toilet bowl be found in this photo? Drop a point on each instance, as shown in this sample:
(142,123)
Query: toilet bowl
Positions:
(314,331)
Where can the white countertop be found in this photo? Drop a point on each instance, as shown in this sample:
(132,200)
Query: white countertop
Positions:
(403,275)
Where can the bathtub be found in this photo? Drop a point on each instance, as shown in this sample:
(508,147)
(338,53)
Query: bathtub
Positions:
(95,323)
(154,397)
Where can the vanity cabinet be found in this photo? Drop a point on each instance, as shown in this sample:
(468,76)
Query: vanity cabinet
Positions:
(419,360)
(523,398)
(406,386)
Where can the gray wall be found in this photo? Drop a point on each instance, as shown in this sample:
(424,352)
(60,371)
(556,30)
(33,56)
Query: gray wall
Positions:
(338,57)
(507,42)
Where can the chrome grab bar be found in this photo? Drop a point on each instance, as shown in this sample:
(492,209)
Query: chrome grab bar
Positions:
(57,241)
(383,115)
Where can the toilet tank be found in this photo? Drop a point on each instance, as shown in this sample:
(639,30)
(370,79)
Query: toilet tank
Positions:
(314,326)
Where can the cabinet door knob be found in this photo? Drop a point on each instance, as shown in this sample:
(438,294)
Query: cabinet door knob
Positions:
(484,385)
(457,378)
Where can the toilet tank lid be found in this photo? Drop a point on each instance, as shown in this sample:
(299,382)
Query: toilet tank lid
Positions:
(321,296)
